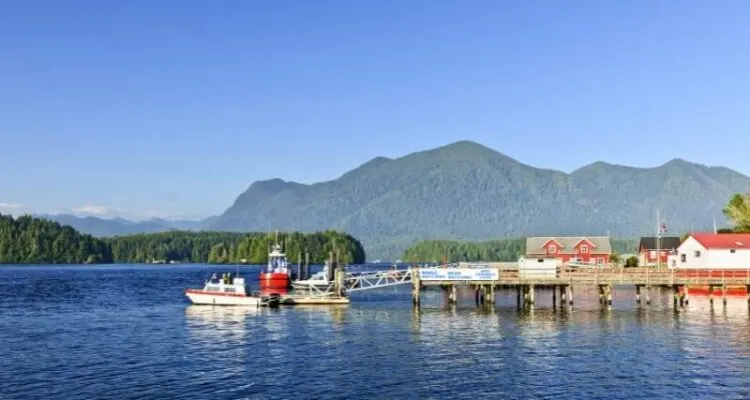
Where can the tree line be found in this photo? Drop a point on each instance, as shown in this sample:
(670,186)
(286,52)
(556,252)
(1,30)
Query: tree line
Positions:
(230,247)
(30,240)
(492,250)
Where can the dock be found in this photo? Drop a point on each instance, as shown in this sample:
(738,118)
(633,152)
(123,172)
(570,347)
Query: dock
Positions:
(486,281)
(311,299)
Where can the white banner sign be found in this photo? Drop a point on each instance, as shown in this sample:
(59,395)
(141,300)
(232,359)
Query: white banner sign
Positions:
(458,274)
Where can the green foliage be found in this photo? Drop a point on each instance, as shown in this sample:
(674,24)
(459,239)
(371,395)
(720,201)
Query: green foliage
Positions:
(466,191)
(631,262)
(738,212)
(28,240)
(230,247)
(34,240)
(493,250)
(614,258)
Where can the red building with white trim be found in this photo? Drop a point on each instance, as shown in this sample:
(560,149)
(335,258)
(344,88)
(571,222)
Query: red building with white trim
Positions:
(587,249)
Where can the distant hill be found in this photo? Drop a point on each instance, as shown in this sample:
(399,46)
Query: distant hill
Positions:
(467,191)
(103,227)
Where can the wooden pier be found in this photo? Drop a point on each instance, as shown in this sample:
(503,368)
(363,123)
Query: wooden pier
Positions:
(563,280)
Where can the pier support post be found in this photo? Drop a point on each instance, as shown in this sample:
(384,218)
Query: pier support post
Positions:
(492,294)
(601,294)
(711,295)
(724,295)
(609,295)
(675,295)
(518,296)
(453,299)
(638,294)
(570,295)
(563,291)
(648,295)
(531,295)
(747,290)
(686,294)
(415,290)
(554,296)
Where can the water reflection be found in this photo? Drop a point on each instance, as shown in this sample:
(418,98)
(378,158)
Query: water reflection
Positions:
(209,324)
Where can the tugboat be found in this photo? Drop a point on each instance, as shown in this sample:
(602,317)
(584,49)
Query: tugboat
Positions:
(229,291)
(277,275)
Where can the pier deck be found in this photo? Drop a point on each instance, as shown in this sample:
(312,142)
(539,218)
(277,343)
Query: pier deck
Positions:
(603,276)
(486,279)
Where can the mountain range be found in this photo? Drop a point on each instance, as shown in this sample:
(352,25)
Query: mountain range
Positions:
(466,191)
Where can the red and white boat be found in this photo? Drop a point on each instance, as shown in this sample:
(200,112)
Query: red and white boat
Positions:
(229,290)
(277,275)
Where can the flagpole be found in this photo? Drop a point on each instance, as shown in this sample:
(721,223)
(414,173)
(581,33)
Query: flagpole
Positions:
(658,240)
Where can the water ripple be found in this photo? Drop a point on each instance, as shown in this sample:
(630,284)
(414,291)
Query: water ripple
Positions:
(127,332)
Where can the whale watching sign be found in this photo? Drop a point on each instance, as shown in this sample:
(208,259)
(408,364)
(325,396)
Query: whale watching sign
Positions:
(458,274)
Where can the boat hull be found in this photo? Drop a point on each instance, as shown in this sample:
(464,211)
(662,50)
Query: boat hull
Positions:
(273,280)
(221,299)
(704,290)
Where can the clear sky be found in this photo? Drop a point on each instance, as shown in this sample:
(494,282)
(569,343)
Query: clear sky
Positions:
(173,108)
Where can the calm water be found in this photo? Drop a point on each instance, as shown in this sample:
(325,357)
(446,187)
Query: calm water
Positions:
(128,332)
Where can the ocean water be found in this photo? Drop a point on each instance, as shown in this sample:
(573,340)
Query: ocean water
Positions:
(128,332)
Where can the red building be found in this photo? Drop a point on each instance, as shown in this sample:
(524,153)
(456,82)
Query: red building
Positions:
(587,249)
(649,247)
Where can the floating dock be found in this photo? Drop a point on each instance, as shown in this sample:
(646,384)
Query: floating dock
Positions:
(311,299)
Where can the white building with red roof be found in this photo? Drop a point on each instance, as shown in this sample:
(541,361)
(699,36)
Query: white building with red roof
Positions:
(713,251)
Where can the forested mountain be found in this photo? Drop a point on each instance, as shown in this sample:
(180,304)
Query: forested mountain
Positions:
(465,191)
(32,240)
(102,227)
(29,240)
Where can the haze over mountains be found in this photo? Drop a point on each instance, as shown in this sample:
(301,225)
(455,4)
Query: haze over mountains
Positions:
(470,192)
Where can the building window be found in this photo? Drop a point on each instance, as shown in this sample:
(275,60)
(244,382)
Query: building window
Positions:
(732,251)
(552,249)
(697,253)
(683,257)
(584,248)
(600,260)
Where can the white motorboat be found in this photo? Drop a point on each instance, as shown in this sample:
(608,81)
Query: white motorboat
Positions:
(318,280)
(230,291)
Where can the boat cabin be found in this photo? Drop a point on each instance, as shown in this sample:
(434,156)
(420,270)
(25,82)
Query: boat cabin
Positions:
(226,284)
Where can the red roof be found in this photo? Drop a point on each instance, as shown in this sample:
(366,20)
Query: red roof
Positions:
(723,240)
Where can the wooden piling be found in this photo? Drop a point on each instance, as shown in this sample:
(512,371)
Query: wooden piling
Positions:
(638,294)
(554,296)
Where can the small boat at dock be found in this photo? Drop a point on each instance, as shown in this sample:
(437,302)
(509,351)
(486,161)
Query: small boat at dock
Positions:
(277,275)
(229,290)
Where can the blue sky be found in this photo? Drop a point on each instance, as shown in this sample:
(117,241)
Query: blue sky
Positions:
(172,108)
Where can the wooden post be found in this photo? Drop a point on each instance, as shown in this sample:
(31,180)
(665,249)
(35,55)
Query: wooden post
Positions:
(415,286)
(554,296)
(686,294)
(711,295)
(518,296)
(563,292)
(531,295)
(570,295)
(307,264)
(609,295)
(638,294)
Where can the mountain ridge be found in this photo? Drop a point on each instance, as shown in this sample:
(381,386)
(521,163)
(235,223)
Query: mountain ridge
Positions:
(468,191)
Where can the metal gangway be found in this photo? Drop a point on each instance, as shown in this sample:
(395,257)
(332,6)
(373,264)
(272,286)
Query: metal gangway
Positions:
(367,280)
